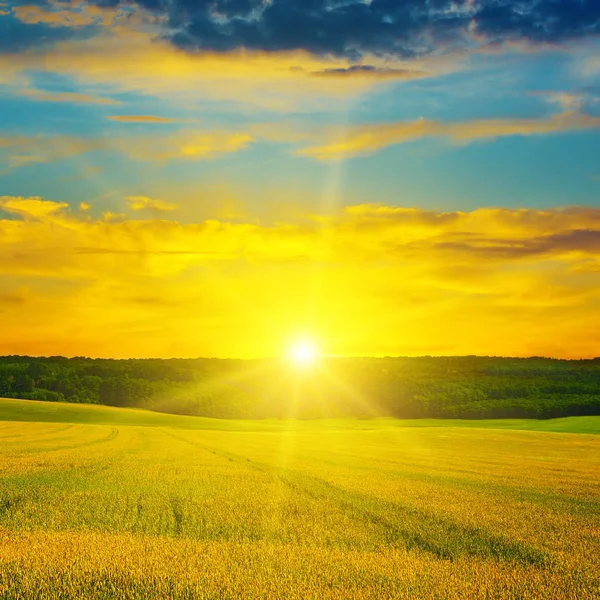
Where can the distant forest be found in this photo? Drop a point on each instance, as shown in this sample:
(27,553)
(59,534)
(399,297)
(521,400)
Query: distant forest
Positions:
(446,387)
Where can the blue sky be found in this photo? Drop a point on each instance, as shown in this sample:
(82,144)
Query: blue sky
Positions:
(516,73)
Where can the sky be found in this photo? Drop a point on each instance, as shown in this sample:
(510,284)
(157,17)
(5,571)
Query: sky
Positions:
(223,177)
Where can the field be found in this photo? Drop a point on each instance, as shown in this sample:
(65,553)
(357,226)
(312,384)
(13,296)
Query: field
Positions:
(97,502)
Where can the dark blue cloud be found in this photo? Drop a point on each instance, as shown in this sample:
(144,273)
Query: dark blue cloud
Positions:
(384,27)
(352,28)
(16,36)
(541,21)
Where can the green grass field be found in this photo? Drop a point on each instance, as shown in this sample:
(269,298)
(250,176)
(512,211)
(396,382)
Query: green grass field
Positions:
(97,502)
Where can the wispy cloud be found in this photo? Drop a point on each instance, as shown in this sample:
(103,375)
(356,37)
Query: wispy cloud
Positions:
(188,145)
(20,150)
(371,72)
(34,207)
(145,203)
(358,140)
(57,14)
(140,119)
(325,143)
(65,97)
(567,101)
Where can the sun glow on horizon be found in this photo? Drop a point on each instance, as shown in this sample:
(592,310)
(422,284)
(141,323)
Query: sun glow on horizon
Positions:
(302,353)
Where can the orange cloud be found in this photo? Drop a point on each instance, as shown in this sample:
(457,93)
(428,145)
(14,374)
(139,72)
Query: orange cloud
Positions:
(35,207)
(66,97)
(369,280)
(358,140)
(140,119)
(143,202)
(182,145)
(56,14)
(19,151)
(325,143)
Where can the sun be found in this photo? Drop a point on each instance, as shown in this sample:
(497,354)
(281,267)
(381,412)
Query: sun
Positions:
(302,353)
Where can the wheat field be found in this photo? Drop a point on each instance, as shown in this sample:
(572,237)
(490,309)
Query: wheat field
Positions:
(361,509)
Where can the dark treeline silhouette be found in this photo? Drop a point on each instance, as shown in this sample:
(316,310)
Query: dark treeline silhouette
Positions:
(445,387)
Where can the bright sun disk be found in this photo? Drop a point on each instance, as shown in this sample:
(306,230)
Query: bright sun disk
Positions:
(303,353)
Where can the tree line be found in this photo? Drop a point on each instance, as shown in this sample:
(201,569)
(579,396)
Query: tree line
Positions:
(436,387)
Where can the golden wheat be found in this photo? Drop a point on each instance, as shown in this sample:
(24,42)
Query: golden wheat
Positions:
(99,511)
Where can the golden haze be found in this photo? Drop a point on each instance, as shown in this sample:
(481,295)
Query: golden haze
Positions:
(369,280)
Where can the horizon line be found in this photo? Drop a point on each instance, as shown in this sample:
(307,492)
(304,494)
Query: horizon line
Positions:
(319,356)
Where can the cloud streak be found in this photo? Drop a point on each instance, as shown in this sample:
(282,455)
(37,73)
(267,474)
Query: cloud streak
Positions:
(144,203)
(140,119)
(65,97)
(371,72)
(326,143)
(360,140)
(185,145)
(61,15)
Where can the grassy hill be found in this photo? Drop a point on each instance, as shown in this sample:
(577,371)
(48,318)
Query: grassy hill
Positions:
(62,412)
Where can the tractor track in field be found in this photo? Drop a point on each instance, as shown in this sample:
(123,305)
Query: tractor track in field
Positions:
(399,525)
(66,427)
(52,475)
(8,504)
(108,438)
